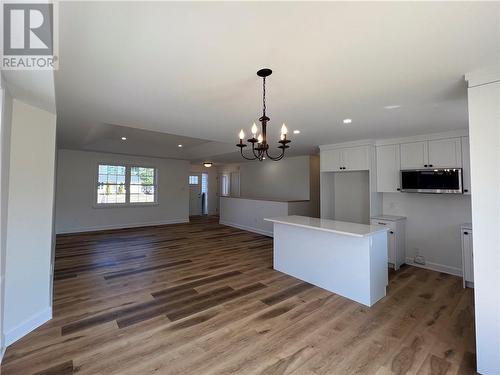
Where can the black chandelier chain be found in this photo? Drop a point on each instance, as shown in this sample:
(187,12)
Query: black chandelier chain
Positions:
(261,150)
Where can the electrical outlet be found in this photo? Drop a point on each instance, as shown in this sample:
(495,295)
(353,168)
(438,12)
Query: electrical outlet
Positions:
(419,259)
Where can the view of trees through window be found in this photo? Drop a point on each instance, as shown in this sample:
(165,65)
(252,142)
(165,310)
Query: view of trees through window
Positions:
(121,184)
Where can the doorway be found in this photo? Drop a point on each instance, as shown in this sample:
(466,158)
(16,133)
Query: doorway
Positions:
(195,198)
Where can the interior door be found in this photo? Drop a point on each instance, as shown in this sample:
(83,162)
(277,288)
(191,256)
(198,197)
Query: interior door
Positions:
(195,204)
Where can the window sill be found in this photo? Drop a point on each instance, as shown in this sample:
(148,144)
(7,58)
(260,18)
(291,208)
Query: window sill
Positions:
(125,205)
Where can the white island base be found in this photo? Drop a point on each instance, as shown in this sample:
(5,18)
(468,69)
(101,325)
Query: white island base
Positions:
(348,259)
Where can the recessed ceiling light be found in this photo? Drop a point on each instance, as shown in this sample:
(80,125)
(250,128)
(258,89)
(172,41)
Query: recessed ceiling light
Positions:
(207,164)
(179,145)
(347,121)
(124,138)
(392,106)
(296,132)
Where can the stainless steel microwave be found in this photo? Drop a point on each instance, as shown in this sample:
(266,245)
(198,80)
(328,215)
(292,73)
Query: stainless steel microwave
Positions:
(437,181)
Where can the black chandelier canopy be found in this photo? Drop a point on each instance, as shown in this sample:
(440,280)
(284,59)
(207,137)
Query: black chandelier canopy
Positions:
(260,147)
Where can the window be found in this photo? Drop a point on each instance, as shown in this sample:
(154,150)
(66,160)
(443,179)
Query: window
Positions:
(142,185)
(119,184)
(225,184)
(111,184)
(193,180)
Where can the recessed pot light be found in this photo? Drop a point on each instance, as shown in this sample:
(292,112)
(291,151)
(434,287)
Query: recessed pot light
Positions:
(347,121)
(392,106)
(296,132)
(124,138)
(179,145)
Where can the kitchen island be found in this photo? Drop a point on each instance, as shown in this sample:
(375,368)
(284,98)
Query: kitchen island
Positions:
(349,259)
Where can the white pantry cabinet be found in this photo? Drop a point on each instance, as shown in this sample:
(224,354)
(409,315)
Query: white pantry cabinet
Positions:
(467,255)
(438,153)
(345,159)
(331,160)
(466,165)
(388,166)
(396,240)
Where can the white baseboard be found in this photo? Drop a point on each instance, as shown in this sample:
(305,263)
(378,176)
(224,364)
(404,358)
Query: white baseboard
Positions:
(436,267)
(122,226)
(27,326)
(249,229)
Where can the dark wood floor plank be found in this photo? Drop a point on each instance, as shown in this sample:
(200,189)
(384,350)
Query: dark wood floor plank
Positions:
(190,310)
(287,293)
(114,275)
(194,284)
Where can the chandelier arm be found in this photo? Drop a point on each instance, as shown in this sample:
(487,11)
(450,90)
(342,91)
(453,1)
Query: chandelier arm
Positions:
(276,158)
(257,155)
(245,157)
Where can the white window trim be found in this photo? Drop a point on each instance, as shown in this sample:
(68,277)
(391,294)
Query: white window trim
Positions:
(127,203)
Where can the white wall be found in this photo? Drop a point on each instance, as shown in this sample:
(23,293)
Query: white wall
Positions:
(75,211)
(352,196)
(484,132)
(29,220)
(433,226)
(5,130)
(287,179)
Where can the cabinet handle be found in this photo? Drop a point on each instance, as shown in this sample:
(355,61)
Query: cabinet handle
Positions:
(382,223)
(430,165)
(466,190)
(425,165)
(398,189)
(391,232)
(466,233)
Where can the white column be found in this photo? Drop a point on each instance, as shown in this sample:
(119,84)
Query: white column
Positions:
(484,130)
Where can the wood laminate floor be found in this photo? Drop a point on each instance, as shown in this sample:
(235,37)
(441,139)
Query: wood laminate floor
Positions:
(202,298)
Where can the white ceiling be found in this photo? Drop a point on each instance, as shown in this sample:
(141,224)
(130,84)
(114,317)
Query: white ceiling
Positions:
(188,69)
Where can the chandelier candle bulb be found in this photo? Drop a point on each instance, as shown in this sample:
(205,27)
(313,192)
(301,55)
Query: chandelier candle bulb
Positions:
(254,129)
(284,130)
(259,138)
(242,135)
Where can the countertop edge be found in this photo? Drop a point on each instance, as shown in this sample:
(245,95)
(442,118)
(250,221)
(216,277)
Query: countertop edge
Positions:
(327,230)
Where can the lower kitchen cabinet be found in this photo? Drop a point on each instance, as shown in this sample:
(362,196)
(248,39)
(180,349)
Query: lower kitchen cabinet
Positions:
(396,241)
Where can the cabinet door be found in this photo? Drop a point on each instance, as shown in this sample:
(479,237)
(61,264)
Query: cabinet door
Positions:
(356,158)
(330,160)
(466,165)
(391,247)
(467,257)
(445,153)
(414,155)
(388,166)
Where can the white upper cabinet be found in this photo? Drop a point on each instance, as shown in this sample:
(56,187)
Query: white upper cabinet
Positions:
(331,160)
(466,165)
(438,153)
(414,155)
(445,153)
(345,159)
(388,166)
(356,158)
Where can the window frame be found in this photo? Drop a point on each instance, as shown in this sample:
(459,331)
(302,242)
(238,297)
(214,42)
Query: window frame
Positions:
(128,168)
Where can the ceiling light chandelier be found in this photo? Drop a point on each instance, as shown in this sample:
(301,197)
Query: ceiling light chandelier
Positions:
(261,150)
